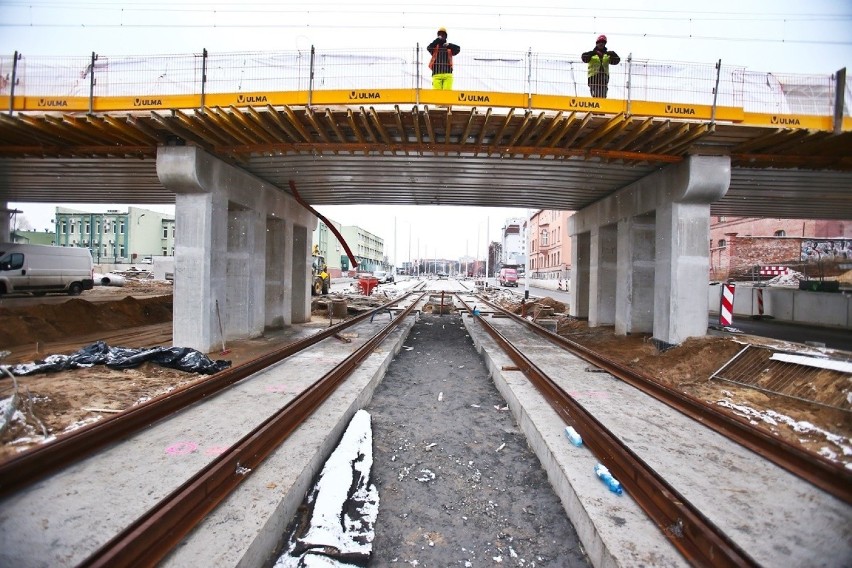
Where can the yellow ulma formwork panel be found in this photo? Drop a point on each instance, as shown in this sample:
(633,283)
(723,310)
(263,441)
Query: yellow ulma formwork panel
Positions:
(686,111)
(148,102)
(365,97)
(579,104)
(473,98)
(792,121)
(47,104)
(256,99)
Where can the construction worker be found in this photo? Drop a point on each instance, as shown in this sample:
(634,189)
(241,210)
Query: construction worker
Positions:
(441,63)
(599,60)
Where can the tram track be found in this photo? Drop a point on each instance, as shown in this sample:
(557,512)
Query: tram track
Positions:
(148,539)
(821,472)
(692,529)
(691,532)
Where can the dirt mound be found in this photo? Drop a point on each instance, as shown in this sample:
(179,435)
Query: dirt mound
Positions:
(52,322)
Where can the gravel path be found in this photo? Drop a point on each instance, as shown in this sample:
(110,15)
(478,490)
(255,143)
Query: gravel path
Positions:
(457,482)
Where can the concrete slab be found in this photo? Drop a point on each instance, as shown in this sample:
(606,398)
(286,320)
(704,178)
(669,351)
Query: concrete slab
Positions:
(63,519)
(773,515)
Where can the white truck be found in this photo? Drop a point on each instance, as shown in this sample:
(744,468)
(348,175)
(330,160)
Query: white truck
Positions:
(40,269)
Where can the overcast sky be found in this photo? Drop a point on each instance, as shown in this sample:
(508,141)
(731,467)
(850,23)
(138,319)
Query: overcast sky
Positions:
(783,36)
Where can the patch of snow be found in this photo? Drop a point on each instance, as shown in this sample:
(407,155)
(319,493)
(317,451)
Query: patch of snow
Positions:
(802,427)
(342,519)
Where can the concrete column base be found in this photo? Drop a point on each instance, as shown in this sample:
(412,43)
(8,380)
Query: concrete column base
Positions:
(234,246)
(678,200)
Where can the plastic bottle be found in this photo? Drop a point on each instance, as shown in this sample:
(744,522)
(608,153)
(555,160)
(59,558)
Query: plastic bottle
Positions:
(603,473)
(573,436)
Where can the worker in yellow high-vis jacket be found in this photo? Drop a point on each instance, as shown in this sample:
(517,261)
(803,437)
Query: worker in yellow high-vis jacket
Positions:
(599,60)
(441,63)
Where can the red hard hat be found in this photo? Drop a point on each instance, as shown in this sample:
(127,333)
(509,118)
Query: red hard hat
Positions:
(601,38)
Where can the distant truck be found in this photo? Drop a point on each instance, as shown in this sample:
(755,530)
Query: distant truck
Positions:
(508,277)
(40,269)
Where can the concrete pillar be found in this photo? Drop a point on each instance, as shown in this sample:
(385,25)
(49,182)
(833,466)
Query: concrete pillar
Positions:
(634,298)
(682,272)
(602,275)
(580,252)
(222,255)
(678,197)
(5,222)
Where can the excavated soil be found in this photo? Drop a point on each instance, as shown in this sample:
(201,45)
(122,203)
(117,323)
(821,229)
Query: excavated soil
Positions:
(57,402)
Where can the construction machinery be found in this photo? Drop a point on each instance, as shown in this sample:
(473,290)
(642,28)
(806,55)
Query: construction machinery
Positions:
(320,278)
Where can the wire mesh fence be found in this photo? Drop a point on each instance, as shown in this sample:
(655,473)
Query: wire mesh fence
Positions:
(407,68)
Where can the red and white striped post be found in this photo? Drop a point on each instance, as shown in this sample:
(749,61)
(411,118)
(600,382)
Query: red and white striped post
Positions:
(759,302)
(726,311)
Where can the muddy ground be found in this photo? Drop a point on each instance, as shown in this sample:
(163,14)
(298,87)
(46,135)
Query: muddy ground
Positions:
(54,403)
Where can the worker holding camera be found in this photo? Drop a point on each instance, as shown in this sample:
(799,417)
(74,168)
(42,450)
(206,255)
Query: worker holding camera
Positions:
(441,63)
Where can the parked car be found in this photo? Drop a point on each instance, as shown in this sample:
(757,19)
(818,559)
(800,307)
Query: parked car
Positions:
(507,277)
(39,269)
(383,276)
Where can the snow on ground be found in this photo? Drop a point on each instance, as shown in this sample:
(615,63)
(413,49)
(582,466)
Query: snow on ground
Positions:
(345,504)
(843,444)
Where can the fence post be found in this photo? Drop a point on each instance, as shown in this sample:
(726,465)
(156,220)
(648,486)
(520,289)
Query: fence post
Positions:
(311,78)
(715,92)
(629,77)
(92,83)
(417,74)
(15,59)
(839,95)
(529,79)
(203,78)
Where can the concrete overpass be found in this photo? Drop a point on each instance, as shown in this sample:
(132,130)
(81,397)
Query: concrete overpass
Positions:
(644,176)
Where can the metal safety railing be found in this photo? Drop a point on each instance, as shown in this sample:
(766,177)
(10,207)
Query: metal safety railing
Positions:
(500,71)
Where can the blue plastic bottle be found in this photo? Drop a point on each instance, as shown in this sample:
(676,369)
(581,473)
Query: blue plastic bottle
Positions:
(603,473)
(573,436)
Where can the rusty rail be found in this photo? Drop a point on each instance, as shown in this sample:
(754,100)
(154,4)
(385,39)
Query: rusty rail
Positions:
(153,535)
(43,460)
(817,470)
(693,534)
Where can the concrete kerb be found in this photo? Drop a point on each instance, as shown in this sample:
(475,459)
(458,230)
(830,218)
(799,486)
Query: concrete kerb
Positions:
(614,530)
(247,528)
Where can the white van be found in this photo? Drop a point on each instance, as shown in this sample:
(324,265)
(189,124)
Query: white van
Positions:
(43,268)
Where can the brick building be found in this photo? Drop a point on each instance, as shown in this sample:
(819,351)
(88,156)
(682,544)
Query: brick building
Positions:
(739,246)
(550,245)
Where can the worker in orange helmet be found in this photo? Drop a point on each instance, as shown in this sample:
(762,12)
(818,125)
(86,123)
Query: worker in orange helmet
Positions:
(441,63)
(599,60)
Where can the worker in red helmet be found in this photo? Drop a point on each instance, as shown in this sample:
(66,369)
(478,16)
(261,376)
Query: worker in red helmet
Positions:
(441,63)
(599,60)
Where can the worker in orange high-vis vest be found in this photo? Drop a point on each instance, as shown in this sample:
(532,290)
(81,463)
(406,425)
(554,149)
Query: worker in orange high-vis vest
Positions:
(441,63)
(599,60)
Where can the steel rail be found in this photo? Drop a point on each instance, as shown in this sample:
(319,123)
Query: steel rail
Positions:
(699,540)
(37,463)
(813,468)
(153,535)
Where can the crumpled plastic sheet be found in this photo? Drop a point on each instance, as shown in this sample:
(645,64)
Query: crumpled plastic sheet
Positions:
(99,353)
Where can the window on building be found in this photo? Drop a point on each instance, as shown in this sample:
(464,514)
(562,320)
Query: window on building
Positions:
(165,251)
(121,228)
(72,228)
(165,232)
(88,228)
(780,233)
(121,251)
(722,243)
(544,237)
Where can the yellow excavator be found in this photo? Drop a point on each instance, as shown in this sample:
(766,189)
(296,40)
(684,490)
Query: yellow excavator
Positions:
(320,278)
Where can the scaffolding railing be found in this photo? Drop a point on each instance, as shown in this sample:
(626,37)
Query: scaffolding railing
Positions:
(498,71)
